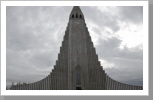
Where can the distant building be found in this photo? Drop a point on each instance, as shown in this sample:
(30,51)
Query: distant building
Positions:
(77,67)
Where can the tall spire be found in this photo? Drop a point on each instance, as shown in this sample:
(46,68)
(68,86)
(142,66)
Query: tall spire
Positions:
(76,13)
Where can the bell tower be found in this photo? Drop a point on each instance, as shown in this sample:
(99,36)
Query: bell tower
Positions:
(77,47)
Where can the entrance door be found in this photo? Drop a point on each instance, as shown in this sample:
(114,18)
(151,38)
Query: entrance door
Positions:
(78,77)
(78,88)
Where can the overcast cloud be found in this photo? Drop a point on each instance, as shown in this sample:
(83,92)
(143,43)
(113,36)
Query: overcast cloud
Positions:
(34,36)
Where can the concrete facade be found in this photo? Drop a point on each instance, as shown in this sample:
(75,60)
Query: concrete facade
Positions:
(77,66)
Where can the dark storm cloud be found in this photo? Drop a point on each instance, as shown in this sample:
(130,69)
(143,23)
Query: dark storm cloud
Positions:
(34,36)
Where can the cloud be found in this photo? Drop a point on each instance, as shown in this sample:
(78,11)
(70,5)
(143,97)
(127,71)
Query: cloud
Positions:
(133,14)
(32,33)
(101,18)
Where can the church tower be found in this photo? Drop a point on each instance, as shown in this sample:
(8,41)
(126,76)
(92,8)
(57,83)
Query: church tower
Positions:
(82,59)
(77,67)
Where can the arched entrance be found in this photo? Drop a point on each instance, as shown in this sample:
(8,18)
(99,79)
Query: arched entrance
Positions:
(78,77)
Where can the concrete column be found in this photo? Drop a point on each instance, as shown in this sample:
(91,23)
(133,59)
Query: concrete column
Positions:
(25,87)
(124,86)
(22,87)
(108,83)
(118,88)
(121,84)
(40,82)
(49,81)
(53,80)
(18,87)
(61,68)
(115,85)
(40,85)
(92,69)
(28,86)
(134,87)
(129,87)
(112,84)
(31,86)
(100,79)
(96,76)
(46,83)
(43,84)
(36,87)
(63,76)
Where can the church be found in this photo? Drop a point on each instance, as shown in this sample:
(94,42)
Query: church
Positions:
(77,66)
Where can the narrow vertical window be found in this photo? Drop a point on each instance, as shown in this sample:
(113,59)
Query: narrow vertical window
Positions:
(78,76)
(80,16)
(72,16)
(76,15)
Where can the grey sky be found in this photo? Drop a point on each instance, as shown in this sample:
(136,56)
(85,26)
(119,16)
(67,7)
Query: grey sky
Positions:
(34,36)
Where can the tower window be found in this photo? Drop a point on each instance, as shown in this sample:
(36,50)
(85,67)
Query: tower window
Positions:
(80,16)
(78,76)
(72,16)
(76,15)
